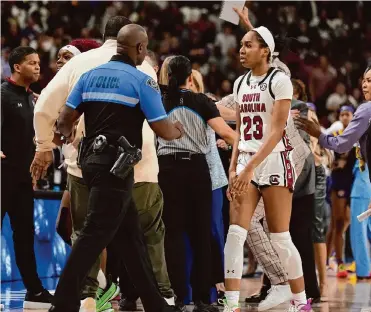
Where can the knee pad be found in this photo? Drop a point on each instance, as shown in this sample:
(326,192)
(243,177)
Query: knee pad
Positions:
(288,254)
(233,251)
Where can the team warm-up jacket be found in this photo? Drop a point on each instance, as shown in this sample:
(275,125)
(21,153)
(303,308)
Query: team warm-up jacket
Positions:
(17,132)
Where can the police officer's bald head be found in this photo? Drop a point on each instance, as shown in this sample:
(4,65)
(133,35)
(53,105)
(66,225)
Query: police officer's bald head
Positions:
(132,40)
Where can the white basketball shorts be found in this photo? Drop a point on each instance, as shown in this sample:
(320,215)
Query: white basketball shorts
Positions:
(276,170)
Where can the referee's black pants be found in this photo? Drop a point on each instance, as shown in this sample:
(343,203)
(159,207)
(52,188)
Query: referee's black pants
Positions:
(301,230)
(112,216)
(17,200)
(186,186)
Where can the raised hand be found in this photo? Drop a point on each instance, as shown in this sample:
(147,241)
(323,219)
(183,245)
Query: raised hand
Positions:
(244,17)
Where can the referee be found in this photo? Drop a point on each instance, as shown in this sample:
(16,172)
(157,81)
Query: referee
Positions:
(115,99)
(184,178)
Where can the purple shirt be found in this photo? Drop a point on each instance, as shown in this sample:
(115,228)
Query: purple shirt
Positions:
(356,131)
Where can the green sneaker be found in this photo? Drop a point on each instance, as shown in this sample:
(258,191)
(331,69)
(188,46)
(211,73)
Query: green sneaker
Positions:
(107,307)
(107,294)
(227,308)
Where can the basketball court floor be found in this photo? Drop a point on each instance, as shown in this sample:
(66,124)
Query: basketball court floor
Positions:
(344,296)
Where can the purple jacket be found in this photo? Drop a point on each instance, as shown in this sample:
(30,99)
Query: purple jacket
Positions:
(356,131)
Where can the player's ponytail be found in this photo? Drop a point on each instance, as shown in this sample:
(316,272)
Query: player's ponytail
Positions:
(179,70)
(283,44)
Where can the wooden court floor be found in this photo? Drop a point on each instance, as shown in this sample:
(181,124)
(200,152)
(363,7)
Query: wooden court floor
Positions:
(344,296)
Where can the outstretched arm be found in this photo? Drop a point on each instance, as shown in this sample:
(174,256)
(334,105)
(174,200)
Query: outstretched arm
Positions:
(344,142)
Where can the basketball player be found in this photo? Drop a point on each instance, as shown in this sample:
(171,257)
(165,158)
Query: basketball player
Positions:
(342,180)
(261,166)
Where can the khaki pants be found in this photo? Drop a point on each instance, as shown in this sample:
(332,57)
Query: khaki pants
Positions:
(79,193)
(149,202)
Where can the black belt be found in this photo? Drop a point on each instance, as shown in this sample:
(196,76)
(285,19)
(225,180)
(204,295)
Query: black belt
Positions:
(183,156)
(106,157)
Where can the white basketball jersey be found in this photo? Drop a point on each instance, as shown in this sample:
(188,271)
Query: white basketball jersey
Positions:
(255,98)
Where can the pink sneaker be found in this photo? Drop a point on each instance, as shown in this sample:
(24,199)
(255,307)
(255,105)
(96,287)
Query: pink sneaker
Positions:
(301,307)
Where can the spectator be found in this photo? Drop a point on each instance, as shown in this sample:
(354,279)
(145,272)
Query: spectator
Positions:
(348,76)
(5,67)
(336,99)
(226,40)
(321,79)
(193,34)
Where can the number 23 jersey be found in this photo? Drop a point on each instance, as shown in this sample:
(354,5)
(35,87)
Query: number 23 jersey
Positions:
(255,96)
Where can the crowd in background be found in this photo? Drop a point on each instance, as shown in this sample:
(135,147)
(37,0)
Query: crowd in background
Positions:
(332,44)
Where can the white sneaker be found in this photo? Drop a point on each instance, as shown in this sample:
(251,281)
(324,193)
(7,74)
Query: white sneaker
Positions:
(170,301)
(276,295)
(301,307)
(88,305)
(227,308)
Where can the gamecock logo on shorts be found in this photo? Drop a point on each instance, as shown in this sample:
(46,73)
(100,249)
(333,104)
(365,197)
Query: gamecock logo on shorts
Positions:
(274,179)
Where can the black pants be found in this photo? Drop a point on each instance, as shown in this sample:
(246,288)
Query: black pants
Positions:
(116,269)
(186,187)
(320,221)
(112,217)
(301,227)
(17,201)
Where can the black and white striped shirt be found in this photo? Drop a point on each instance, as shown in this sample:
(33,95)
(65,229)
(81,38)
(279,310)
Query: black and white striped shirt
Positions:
(192,110)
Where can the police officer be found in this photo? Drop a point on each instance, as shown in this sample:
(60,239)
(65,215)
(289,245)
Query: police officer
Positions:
(17,151)
(115,99)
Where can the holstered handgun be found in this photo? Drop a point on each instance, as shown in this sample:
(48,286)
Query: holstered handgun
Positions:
(129,156)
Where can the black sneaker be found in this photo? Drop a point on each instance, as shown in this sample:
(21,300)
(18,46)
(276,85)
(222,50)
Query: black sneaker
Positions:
(128,305)
(169,308)
(316,300)
(203,307)
(179,306)
(257,298)
(253,299)
(221,296)
(34,302)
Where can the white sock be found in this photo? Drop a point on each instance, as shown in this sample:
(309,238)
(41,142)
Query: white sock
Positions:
(232,297)
(300,298)
(102,280)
